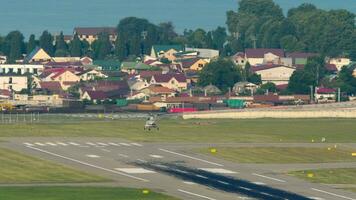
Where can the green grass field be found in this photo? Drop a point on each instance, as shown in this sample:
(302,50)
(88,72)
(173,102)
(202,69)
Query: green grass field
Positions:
(77,193)
(282,155)
(256,130)
(328,176)
(18,168)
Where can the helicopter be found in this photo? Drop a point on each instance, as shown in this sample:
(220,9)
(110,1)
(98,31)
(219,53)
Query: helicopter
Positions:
(151,123)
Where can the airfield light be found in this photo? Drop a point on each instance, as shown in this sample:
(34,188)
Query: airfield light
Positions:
(145,191)
(310,175)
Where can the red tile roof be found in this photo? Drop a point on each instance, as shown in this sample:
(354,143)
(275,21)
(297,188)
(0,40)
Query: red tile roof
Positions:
(52,86)
(149,74)
(164,78)
(325,90)
(282,87)
(97,95)
(188,63)
(266,66)
(259,53)
(5,93)
(160,90)
(331,67)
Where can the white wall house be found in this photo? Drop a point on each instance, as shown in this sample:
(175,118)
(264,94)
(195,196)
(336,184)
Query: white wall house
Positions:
(21,69)
(13,82)
(340,62)
(277,74)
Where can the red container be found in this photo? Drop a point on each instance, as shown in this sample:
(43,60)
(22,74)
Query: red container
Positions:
(182,110)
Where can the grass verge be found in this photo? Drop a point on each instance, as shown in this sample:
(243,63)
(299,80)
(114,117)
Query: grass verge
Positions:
(77,193)
(18,168)
(284,155)
(328,176)
(217,131)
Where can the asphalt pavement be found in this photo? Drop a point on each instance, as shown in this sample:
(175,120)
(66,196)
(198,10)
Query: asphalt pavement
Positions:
(175,170)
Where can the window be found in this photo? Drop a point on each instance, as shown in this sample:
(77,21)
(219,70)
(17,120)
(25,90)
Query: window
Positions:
(200,65)
(35,71)
(11,70)
(10,87)
(10,80)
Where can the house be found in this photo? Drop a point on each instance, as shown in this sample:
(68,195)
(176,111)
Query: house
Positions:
(90,34)
(194,64)
(136,95)
(340,62)
(3,59)
(13,82)
(277,74)
(134,67)
(5,94)
(21,68)
(65,77)
(239,59)
(211,90)
(262,56)
(325,95)
(90,74)
(66,59)
(244,86)
(38,55)
(186,54)
(94,96)
(86,60)
(300,58)
(171,81)
(53,87)
(204,53)
(166,51)
(157,90)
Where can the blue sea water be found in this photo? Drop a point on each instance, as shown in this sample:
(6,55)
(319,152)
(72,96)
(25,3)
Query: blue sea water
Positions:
(34,16)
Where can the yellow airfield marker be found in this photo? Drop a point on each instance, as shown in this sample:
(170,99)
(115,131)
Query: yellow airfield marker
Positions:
(353,154)
(213,150)
(329,149)
(313,140)
(310,175)
(145,191)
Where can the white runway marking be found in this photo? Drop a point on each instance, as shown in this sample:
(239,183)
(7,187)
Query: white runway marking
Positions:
(218,170)
(270,178)
(106,150)
(200,176)
(51,144)
(93,156)
(223,182)
(114,144)
(125,144)
(28,144)
(88,164)
(143,161)
(73,143)
(101,144)
(189,183)
(39,144)
(123,155)
(245,188)
(61,143)
(137,144)
(92,144)
(135,171)
(333,194)
(193,158)
(259,183)
(156,156)
(197,195)
(316,198)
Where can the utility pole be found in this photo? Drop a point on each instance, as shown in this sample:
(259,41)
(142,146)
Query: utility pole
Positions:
(339,95)
(311,94)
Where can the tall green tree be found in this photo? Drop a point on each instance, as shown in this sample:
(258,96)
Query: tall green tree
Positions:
(76,47)
(32,43)
(61,46)
(102,46)
(46,43)
(222,73)
(14,46)
(167,33)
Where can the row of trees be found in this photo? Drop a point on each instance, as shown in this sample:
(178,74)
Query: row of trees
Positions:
(261,24)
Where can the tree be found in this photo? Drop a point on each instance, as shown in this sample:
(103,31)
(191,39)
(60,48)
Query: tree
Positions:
(222,73)
(61,46)
(76,47)
(219,37)
(14,46)
(135,37)
(300,82)
(46,42)
(266,88)
(102,46)
(32,43)
(316,67)
(167,33)
(346,81)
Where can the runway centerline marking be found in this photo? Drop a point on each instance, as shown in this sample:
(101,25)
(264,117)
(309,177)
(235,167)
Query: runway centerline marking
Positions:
(156,156)
(135,171)
(123,155)
(28,144)
(93,156)
(270,178)
(218,170)
(125,144)
(137,144)
(197,195)
(39,144)
(106,150)
(193,158)
(88,164)
(61,143)
(333,194)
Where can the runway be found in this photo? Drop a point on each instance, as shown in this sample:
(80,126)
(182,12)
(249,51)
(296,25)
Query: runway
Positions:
(173,169)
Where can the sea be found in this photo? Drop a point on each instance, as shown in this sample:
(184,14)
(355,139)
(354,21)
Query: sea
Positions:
(35,16)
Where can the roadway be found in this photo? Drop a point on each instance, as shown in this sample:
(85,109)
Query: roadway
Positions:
(175,170)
